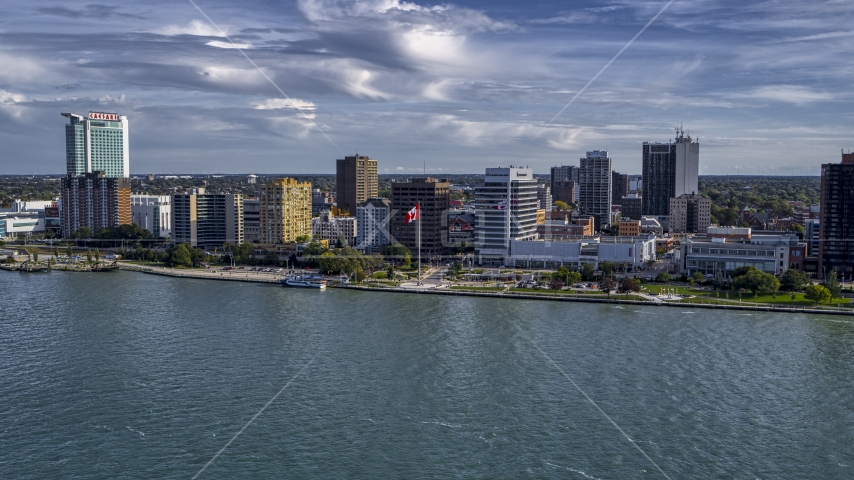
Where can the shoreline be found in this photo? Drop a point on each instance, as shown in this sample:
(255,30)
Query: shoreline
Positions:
(208,275)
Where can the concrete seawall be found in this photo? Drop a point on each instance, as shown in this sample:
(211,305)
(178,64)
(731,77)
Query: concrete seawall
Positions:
(271,279)
(616,301)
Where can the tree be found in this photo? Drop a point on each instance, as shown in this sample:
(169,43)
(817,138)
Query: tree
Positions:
(97,256)
(742,270)
(572,277)
(629,285)
(561,205)
(697,277)
(757,282)
(303,238)
(796,227)
(68,252)
(359,275)
(329,263)
(608,267)
(794,280)
(35,253)
(56,252)
(389,272)
(817,294)
(88,256)
(83,232)
(456,268)
(398,252)
(831,283)
(607,285)
(587,272)
(313,249)
(662,277)
(179,256)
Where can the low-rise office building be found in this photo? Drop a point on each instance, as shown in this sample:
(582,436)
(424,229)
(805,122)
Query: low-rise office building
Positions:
(633,252)
(14,225)
(720,257)
(629,228)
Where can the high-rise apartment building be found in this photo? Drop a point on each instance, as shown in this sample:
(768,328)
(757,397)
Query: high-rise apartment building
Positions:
(252,220)
(594,196)
(836,223)
(434,196)
(94,200)
(153,213)
(505,210)
(669,170)
(207,220)
(356,179)
(564,183)
(544,197)
(372,217)
(96,143)
(285,210)
(619,187)
(690,213)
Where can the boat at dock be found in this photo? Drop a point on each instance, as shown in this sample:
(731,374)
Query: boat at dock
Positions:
(304,282)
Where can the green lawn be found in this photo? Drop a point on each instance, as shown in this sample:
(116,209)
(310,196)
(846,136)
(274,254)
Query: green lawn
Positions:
(783,298)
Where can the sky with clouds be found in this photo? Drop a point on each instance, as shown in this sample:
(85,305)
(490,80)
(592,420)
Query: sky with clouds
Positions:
(460,86)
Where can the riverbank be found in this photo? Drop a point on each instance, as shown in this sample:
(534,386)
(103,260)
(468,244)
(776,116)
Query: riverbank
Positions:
(260,277)
(571,298)
(208,274)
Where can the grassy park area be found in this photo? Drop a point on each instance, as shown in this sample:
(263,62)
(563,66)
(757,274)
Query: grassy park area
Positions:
(709,296)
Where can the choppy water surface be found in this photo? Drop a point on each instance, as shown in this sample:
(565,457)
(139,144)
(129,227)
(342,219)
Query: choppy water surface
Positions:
(122,375)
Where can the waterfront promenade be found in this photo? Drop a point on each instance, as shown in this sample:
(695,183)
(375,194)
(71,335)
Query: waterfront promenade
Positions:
(208,274)
(273,278)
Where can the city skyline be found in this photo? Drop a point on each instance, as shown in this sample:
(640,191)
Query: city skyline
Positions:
(461,86)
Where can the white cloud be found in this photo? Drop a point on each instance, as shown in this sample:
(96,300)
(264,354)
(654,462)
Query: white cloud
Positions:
(221,44)
(569,18)
(286,103)
(820,36)
(111,99)
(195,27)
(21,69)
(9,98)
(789,94)
(232,76)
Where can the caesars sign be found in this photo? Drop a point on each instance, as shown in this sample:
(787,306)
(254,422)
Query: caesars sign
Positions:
(103,116)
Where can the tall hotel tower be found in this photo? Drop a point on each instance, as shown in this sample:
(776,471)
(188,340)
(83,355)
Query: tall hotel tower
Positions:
(96,189)
(97,143)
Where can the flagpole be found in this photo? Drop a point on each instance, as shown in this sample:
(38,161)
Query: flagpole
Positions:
(418,219)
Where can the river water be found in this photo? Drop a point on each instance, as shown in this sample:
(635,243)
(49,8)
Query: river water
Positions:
(126,375)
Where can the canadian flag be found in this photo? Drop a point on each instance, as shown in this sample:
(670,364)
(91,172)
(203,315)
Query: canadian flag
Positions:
(412,215)
(501,206)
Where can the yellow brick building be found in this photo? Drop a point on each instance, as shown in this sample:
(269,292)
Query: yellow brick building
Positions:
(285,210)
